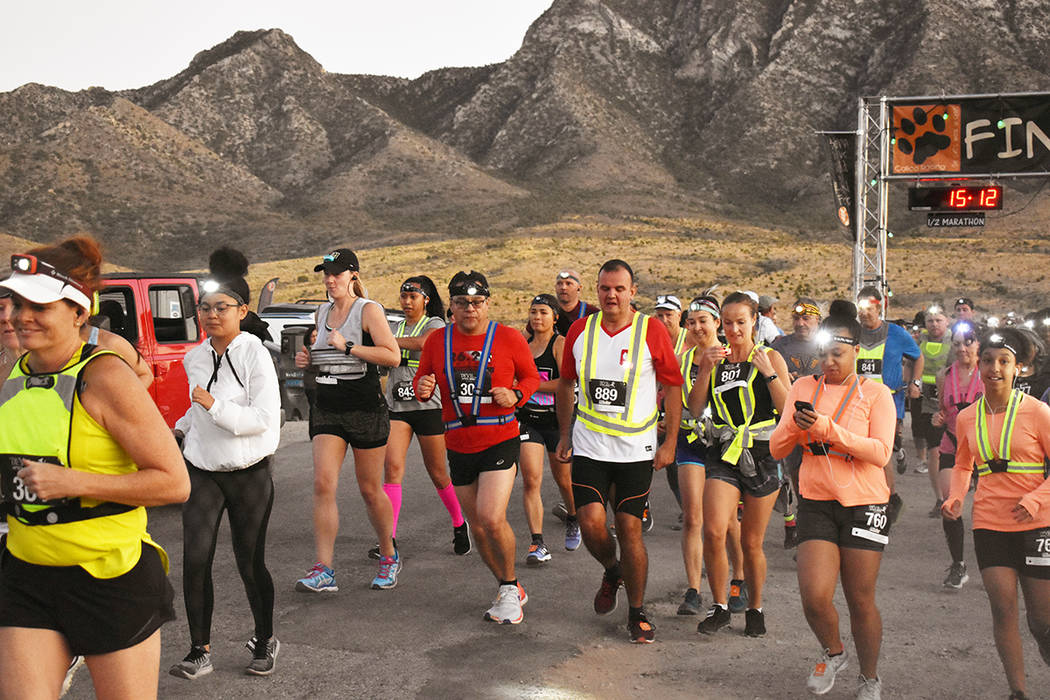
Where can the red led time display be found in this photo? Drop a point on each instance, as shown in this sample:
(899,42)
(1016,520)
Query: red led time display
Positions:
(984,198)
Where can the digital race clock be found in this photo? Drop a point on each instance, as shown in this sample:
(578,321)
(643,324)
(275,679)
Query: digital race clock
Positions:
(981,198)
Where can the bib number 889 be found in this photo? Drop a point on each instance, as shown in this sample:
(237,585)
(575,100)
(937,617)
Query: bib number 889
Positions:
(606,394)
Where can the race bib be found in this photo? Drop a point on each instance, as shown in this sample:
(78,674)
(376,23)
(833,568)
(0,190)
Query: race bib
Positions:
(1037,547)
(466,385)
(871,523)
(732,375)
(607,395)
(869,367)
(404,391)
(14,491)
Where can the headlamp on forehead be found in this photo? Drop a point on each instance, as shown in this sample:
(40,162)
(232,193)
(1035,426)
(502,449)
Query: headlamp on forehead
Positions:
(412,287)
(1046,321)
(705,304)
(963,301)
(805,309)
(867,302)
(935,309)
(209,286)
(823,338)
(31,265)
(997,341)
(1030,323)
(566,275)
(993,321)
(963,328)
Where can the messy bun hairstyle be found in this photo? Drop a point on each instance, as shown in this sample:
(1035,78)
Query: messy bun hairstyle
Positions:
(842,316)
(79,256)
(228,266)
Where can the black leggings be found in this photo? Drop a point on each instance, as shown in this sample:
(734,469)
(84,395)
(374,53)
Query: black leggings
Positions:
(247,494)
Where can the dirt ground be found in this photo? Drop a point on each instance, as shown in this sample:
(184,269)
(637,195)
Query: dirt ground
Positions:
(427,638)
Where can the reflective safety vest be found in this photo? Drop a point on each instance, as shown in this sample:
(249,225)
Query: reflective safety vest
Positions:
(746,433)
(869,361)
(819,448)
(414,333)
(36,415)
(988,463)
(935,358)
(691,427)
(679,342)
(631,419)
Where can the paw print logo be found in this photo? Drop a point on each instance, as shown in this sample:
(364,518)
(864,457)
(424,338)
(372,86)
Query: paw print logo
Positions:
(925,138)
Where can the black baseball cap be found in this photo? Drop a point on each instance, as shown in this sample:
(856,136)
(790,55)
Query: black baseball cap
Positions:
(339,260)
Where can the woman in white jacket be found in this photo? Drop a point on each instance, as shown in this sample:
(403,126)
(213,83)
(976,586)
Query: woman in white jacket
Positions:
(229,433)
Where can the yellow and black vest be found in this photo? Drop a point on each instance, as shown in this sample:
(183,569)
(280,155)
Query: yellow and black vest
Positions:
(741,400)
(987,461)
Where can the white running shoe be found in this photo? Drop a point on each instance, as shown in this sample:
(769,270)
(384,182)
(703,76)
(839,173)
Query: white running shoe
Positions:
(506,610)
(823,676)
(869,688)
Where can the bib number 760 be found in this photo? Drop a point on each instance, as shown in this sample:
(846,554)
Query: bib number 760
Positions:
(876,521)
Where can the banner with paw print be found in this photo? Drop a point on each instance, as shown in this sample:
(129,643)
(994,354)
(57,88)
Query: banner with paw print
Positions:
(989,135)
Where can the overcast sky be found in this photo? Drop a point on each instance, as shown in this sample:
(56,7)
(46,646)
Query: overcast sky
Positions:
(118,44)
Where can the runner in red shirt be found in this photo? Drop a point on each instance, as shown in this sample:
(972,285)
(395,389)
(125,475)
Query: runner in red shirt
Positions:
(481,432)
(621,359)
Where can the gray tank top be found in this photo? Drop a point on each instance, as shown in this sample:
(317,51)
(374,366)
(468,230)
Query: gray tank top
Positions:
(334,363)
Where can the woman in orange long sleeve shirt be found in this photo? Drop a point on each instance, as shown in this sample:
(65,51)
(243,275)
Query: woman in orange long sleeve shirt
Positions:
(846,433)
(1007,434)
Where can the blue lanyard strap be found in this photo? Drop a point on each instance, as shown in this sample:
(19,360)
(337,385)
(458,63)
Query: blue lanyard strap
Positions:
(483,361)
(583,310)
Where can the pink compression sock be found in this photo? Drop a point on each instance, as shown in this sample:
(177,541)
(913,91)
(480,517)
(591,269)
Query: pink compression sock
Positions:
(393,492)
(448,497)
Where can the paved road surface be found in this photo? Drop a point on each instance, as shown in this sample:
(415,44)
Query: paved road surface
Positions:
(427,638)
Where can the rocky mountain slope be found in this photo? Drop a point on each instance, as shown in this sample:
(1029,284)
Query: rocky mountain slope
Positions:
(609,106)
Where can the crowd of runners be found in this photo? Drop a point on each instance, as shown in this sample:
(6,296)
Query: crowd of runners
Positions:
(741,416)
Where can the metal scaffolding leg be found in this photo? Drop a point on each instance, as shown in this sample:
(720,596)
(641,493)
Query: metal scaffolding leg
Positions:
(869,248)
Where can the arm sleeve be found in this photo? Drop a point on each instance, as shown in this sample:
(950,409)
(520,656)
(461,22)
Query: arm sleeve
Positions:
(665,364)
(786,435)
(876,446)
(525,372)
(264,398)
(1038,499)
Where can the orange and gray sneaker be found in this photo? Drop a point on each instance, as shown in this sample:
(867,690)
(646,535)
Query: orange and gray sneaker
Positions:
(641,630)
(605,598)
(823,676)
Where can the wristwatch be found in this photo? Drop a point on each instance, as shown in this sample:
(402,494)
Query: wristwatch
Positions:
(917,382)
(517,392)
(771,377)
(349,344)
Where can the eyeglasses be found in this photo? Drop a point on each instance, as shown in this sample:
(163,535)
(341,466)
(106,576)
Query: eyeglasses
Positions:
(31,265)
(462,303)
(219,308)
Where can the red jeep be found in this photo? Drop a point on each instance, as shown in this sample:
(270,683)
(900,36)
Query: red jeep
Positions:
(158,315)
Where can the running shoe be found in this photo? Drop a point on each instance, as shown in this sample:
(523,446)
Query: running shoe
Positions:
(264,656)
(935,512)
(74,666)
(717,618)
(957,575)
(902,461)
(790,536)
(823,676)
(691,604)
(461,539)
(641,630)
(869,688)
(522,595)
(1017,695)
(374,553)
(572,535)
(896,505)
(754,623)
(196,664)
(538,554)
(386,577)
(605,598)
(319,579)
(560,512)
(921,468)
(647,518)
(506,609)
(738,597)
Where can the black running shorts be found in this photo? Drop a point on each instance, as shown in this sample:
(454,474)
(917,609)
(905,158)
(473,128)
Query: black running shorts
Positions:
(465,467)
(592,480)
(924,432)
(542,429)
(362,430)
(854,527)
(1027,552)
(96,616)
(946,460)
(763,483)
(424,422)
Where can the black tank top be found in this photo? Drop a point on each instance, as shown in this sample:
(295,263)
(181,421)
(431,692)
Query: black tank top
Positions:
(547,366)
(737,373)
